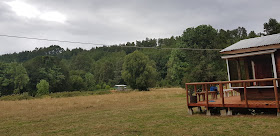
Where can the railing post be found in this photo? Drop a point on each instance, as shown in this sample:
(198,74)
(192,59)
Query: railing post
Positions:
(187,93)
(195,89)
(222,94)
(203,89)
(245,94)
(276,94)
(207,103)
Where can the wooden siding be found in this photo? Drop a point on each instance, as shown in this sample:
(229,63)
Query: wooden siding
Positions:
(258,94)
(263,68)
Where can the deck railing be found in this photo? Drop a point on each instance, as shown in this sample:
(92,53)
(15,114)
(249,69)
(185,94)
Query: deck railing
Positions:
(204,87)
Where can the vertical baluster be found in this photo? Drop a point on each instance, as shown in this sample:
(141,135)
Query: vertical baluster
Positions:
(207,102)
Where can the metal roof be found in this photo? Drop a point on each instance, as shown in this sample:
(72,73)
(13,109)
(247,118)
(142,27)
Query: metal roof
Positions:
(254,42)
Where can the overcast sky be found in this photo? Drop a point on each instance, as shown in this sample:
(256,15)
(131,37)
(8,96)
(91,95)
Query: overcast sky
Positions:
(120,21)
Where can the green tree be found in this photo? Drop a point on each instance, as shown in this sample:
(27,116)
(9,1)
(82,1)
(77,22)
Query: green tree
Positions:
(13,78)
(252,34)
(138,71)
(77,82)
(21,78)
(176,67)
(42,88)
(199,65)
(6,80)
(82,62)
(89,81)
(202,36)
(108,68)
(272,27)
(49,68)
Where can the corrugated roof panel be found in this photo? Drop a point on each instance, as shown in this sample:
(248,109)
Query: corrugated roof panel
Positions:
(254,42)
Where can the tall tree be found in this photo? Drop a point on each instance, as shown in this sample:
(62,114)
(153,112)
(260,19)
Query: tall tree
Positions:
(13,78)
(191,65)
(138,71)
(252,34)
(272,27)
(21,78)
(49,68)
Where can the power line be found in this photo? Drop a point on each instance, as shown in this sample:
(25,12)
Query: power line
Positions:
(90,43)
(194,49)
(50,40)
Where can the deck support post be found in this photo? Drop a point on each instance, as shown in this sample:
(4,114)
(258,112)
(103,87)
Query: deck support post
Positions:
(208,113)
(223,112)
(200,109)
(229,112)
(190,111)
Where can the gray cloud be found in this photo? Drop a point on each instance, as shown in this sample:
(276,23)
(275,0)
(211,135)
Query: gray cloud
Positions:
(119,21)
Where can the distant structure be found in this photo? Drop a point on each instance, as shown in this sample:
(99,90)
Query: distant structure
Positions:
(253,67)
(120,87)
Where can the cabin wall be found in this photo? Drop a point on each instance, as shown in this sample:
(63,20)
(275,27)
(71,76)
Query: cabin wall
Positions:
(258,94)
(263,68)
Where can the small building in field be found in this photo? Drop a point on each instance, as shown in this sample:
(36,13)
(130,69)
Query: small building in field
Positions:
(120,87)
(253,67)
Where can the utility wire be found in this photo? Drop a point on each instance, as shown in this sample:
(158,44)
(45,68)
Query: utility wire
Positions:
(50,40)
(33,38)
(171,48)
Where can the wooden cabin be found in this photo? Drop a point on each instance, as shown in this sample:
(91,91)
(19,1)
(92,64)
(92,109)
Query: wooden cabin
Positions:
(253,67)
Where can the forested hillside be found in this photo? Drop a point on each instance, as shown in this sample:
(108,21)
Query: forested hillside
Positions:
(103,67)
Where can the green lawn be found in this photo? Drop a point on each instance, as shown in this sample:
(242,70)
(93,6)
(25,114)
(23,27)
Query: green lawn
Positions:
(156,112)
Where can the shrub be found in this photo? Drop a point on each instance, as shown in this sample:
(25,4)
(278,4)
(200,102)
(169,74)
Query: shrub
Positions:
(15,97)
(107,87)
(42,88)
(98,87)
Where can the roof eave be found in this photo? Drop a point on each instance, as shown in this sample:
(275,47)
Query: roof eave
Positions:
(253,49)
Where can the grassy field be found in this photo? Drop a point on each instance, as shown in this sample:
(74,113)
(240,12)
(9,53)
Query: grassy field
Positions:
(155,112)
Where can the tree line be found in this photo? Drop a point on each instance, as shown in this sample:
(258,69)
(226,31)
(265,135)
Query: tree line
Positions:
(56,69)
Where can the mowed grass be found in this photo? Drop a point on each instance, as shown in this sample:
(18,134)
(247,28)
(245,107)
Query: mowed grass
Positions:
(155,112)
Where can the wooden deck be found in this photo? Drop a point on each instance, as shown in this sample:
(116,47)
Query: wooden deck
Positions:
(235,102)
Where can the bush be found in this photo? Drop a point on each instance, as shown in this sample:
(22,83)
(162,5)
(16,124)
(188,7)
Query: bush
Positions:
(77,93)
(107,87)
(42,88)
(98,87)
(23,96)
